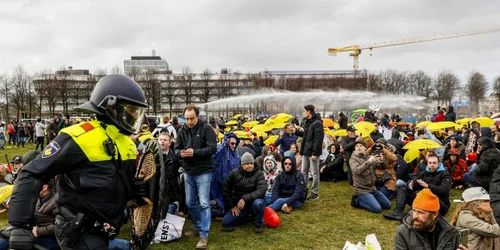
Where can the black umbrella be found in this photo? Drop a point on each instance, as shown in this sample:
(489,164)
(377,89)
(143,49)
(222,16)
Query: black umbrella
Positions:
(244,149)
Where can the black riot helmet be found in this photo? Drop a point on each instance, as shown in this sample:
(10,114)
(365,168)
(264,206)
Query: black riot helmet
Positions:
(119,99)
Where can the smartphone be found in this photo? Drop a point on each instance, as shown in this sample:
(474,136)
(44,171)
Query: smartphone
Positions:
(464,236)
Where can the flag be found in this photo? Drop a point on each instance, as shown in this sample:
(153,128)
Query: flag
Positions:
(374,106)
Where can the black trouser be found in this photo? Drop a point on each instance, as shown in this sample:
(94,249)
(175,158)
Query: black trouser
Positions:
(12,138)
(87,241)
(406,196)
(457,183)
(39,141)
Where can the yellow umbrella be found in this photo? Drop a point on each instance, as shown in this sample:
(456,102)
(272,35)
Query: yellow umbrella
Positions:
(5,192)
(330,132)
(341,132)
(441,125)
(270,140)
(424,123)
(242,134)
(278,119)
(411,155)
(422,144)
(364,128)
(261,128)
(463,121)
(250,124)
(237,116)
(231,123)
(484,121)
(403,134)
(280,125)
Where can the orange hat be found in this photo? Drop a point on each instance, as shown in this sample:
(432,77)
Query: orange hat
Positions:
(426,200)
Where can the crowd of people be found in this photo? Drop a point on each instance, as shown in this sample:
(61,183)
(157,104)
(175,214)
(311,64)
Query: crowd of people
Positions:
(235,180)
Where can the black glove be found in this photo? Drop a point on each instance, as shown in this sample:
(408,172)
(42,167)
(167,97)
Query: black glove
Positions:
(140,189)
(21,238)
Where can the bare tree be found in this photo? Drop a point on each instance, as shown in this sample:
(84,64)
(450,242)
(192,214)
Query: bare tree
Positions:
(186,86)
(496,90)
(6,91)
(152,89)
(206,78)
(116,70)
(134,73)
(447,85)
(20,81)
(169,89)
(63,82)
(475,89)
(421,84)
(239,84)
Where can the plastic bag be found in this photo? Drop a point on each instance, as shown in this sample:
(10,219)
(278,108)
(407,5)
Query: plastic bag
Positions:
(169,229)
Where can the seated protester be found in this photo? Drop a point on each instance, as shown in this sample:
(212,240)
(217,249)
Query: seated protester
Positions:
(435,177)
(457,168)
(454,142)
(396,142)
(424,228)
(422,161)
(289,190)
(259,161)
(172,191)
(226,159)
(385,172)
(332,168)
(489,159)
(270,171)
(363,172)
(6,177)
(285,139)
(294,148)
(451,133)
(496,139)
(244,192)
(476,215)
(45,216)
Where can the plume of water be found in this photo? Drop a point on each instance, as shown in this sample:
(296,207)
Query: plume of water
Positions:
(343,99)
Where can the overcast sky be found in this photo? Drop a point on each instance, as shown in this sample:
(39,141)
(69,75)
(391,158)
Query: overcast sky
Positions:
(248,35)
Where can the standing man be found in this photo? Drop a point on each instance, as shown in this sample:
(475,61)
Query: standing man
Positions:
(96,165)
(195,147)
(310,149)
(39,133)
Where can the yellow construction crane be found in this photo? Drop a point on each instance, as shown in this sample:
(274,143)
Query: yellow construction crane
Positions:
(356,49)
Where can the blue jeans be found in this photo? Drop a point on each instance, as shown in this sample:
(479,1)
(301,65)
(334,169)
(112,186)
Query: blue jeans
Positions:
(307,163)
(44,241)
(119,244)
(387,193)
(268,198)
(256,209)
(198,201)
(277,204)
(373,202)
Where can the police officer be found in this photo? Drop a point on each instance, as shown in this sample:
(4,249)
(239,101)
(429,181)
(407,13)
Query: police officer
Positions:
(95,164)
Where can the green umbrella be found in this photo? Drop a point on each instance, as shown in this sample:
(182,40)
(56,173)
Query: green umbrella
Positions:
(359,111)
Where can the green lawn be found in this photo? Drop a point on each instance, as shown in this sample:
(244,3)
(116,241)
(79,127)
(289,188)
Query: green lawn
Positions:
(325,223)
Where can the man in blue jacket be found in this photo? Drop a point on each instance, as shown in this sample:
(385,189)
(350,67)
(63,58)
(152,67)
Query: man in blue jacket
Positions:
(285,139)
(289,189)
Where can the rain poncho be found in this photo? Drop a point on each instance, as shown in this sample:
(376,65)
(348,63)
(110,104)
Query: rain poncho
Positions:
(225,161)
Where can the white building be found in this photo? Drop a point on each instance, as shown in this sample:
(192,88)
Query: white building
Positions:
(141,63)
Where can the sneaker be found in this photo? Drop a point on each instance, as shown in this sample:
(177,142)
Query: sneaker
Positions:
(228,229)
(313,196)
(202,243)
(396,215)
(259,230)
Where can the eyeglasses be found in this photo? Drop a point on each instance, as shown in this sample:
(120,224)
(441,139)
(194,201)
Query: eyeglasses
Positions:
(288,164)
(232,143)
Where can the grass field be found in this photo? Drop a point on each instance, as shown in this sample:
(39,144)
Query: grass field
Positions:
(325,223)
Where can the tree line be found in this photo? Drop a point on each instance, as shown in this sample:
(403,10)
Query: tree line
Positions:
(28,93)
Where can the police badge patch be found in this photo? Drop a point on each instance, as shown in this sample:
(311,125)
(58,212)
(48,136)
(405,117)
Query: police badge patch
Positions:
(51,149)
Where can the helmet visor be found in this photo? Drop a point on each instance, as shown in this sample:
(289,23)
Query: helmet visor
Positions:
(125,116)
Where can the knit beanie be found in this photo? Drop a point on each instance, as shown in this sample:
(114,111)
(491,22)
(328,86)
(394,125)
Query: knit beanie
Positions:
(426,200)
(247,158)
(362,142)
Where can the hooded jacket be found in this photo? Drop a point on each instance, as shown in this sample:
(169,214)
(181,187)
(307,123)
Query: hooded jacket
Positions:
(248,186)
(451,116)
(225,159)
(407,238)
(396,142)
(348,146)
(363,174)
(486,132)
(488,163)
(334,162)
(290,184)
(312,137)
(480,230)
(46,215)
(272,174)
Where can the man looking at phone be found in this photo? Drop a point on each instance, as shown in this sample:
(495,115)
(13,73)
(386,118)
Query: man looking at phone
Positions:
(435,177)
(424,228)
